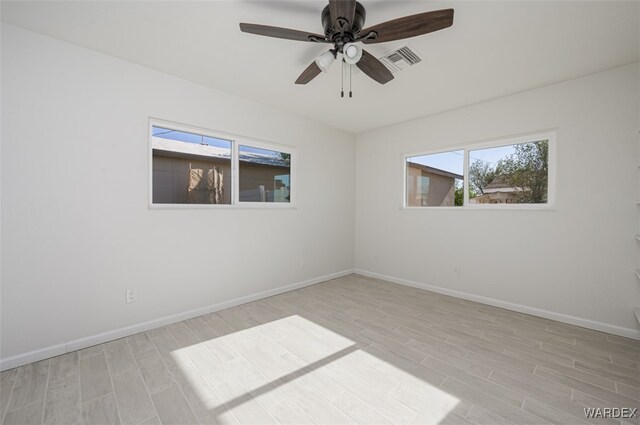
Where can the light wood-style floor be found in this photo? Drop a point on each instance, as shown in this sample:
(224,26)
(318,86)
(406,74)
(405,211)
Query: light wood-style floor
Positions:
(351,350)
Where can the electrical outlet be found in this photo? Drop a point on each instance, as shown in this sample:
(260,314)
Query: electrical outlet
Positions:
(456,270)
(131,296)
(301,262)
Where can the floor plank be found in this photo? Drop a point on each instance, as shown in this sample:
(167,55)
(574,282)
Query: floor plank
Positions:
(7,381)
(172,407)
(155,374)
(30,385)
(95,380)
(119,356)
(64,366)
(101,410)
(132,398)
(31,414)
(62,405)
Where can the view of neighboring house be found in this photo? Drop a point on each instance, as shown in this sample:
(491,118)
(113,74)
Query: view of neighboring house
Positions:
(499,191)
(428,186)
(263,178)
(191,173)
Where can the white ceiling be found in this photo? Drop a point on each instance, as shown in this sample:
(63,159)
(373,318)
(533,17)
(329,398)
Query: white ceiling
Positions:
(493,49)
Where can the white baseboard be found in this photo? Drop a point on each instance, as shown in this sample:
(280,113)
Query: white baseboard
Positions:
(58,349)
(572,320)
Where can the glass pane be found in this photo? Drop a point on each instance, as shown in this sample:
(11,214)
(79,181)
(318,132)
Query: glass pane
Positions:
(513,174)
(190,168)
(265,175)
(435,180)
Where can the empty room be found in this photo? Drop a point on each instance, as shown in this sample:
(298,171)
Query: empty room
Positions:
(319,212)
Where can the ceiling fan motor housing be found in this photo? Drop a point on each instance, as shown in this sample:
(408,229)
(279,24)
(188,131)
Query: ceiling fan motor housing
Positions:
(339,36)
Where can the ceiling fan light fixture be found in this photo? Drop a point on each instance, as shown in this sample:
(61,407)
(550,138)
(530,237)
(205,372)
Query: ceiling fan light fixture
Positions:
(325,60)
(352,53)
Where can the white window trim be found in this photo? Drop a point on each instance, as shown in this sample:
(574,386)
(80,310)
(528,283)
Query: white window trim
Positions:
(549,135)
(236,141)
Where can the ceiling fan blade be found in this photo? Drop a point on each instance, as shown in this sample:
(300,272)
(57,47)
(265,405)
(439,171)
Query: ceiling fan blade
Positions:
(309,73)
(285,33)
(342,10)
(409,26)
(374,68)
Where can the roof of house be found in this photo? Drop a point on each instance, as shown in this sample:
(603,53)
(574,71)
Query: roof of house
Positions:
(196,149)
(433,170)
(499,184)
(505,189)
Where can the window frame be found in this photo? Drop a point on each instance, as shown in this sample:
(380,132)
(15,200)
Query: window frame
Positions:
(235,140)
(550,205)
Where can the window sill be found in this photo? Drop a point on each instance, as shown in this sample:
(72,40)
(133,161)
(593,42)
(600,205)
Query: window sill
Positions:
(243,206)
(528,207)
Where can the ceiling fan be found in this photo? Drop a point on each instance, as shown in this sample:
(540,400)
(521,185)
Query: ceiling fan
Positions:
(343,22)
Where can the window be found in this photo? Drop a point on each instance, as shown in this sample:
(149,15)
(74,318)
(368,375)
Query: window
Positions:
(264,175)
(512,174)
(435,180)
(508,173)
(190,168)
(197,167)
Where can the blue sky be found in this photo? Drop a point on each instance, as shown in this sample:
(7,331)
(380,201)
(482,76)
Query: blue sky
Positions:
(183,136)
(453,161)
(267,152)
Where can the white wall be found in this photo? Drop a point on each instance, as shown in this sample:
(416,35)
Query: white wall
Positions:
(575,261)
(77,230)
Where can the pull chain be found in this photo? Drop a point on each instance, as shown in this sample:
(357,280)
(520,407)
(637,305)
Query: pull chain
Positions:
(350,94)
(342,79)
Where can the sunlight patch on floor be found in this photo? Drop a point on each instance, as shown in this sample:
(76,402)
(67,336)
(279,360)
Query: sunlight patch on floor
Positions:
(295,368)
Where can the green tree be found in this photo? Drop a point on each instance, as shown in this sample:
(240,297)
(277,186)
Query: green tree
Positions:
(286,157)
(458,196)
(458,199)
(527,170)
(481,174)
